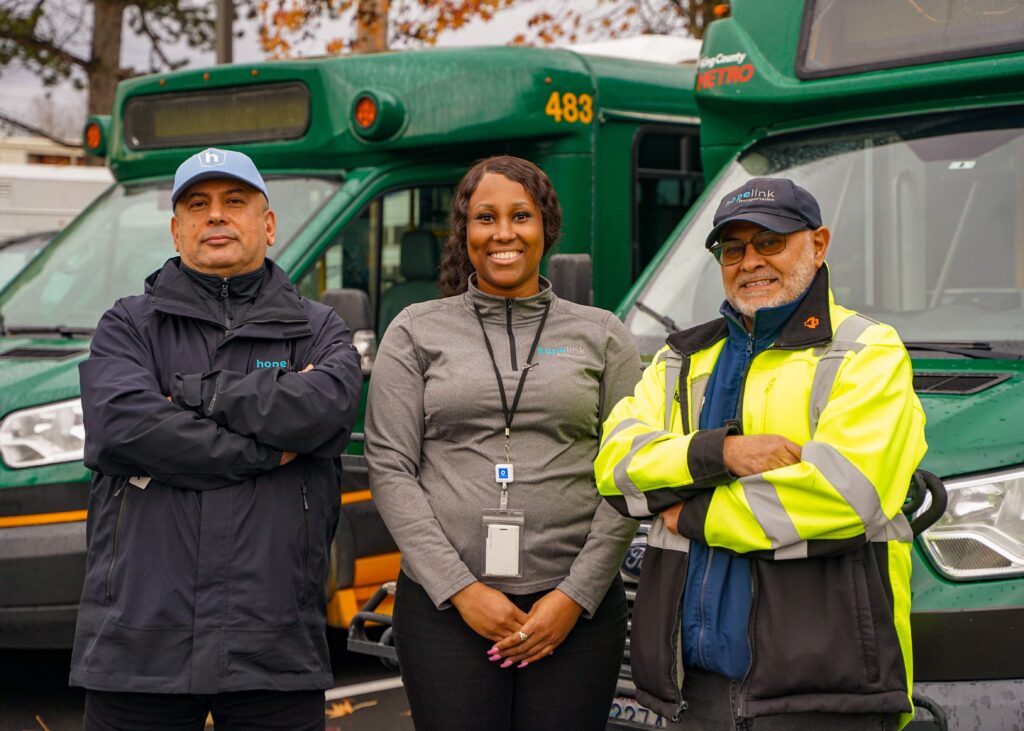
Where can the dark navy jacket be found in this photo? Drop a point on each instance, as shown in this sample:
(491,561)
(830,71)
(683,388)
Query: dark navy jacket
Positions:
(210,577)
(716,600)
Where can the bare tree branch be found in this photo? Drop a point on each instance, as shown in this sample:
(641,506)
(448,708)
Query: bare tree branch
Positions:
(37,131)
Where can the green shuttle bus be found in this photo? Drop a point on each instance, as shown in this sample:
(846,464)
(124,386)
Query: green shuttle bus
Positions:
(906,120)
(360,155)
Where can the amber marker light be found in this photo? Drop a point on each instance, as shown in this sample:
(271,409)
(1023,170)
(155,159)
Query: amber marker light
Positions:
(366,112)
(721,11)
(93,136)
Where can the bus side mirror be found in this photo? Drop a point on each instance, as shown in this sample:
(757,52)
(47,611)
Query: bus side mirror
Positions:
(353,306)
(570,276)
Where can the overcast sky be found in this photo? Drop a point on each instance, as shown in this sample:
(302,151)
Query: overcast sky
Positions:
(19,87)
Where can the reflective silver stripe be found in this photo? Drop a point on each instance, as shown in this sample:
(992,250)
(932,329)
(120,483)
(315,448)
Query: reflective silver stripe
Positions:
(849,482)
(844,341)
(697,390)
(897,529)
(662,537)
(673,364)
(764,502)
(786,553)
(635,500)
(621,426)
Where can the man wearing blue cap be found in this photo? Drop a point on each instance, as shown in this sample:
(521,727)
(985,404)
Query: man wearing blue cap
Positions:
(775,447)
(216,406)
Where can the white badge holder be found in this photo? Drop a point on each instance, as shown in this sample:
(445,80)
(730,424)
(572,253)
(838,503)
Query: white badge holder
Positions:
(503,543)
(503,532)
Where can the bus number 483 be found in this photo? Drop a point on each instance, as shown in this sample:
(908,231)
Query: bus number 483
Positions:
(570,107)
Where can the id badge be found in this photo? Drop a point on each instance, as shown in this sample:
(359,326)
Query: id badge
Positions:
(503,542)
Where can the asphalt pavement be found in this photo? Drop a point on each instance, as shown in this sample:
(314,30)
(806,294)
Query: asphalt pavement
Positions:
(34,694)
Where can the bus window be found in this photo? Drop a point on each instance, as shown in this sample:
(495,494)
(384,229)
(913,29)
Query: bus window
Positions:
(391,250)
(669,178)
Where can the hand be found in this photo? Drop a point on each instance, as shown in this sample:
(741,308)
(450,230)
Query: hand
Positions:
(286,457)
(487,611)
(757,453)
(307,369)
(671,517)
(549,622)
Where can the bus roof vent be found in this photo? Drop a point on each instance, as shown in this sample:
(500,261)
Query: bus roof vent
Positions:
(41,353)
(960,384)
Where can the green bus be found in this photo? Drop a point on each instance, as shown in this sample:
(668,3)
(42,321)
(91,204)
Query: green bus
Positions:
(360,155)
(906,120)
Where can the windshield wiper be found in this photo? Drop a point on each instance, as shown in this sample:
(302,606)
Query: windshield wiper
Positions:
(62,330)
(666,322)
(967,350)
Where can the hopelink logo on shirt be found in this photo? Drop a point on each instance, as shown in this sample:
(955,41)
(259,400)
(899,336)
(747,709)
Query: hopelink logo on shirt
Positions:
(271,363)
(562,350)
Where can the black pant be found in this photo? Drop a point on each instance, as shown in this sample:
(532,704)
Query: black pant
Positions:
(249,710)
(451,685)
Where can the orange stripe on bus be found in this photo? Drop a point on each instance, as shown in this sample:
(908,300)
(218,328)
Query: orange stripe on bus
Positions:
(69,516)
(358,496)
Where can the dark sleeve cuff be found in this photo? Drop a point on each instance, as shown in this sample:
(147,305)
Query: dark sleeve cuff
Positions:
(705,458)
(692,516)
(187,390)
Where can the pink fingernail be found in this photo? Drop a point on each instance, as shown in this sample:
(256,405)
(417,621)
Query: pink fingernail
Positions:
(492,650)
(506,664)
(523,664)
(494,658)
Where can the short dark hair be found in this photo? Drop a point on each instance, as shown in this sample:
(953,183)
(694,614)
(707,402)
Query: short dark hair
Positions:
(455,263)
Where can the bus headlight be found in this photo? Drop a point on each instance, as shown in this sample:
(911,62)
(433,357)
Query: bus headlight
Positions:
(981,534)
(43,435)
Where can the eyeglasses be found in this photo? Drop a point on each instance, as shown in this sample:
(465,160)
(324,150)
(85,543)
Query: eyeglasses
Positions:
(732,251)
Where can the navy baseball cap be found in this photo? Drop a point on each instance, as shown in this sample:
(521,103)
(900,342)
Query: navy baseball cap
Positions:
(778,204)
(213,163)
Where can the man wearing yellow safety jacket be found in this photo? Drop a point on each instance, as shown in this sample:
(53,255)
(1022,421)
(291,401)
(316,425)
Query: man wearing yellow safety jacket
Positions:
(775,447)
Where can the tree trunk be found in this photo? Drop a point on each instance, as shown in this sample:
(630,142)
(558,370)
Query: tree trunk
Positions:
(371,26)
(105,68)
(700,14)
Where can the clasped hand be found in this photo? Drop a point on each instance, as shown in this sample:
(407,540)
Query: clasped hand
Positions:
(746,455)
(491,614)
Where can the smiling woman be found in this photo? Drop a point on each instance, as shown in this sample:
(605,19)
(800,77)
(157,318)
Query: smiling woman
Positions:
(502,206)
(501,371)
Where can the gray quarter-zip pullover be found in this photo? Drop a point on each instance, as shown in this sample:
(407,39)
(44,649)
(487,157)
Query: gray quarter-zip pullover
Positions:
(435,430)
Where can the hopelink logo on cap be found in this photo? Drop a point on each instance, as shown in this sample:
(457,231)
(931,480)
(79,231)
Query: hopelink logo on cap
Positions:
(759,195)
(212,158)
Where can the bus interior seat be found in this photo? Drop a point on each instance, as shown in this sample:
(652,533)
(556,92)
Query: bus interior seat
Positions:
(419,269)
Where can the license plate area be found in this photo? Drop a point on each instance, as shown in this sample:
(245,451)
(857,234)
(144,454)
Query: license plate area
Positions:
(627,713)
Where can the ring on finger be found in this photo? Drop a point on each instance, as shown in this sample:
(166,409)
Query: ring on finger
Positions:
(523,636)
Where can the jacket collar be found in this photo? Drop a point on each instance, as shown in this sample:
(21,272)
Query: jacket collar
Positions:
(808,326)
(496,309)
(174,292)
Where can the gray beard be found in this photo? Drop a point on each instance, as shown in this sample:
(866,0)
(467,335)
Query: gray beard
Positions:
(794,285)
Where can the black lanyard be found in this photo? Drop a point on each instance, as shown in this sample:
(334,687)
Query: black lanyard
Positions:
(510,414)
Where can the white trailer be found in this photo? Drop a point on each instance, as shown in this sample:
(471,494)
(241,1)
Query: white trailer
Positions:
(46,197)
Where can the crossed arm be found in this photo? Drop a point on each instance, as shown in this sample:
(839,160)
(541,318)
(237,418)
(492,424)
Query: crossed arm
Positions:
(133,428)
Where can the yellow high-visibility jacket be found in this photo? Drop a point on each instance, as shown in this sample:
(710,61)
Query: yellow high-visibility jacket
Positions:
(830,615)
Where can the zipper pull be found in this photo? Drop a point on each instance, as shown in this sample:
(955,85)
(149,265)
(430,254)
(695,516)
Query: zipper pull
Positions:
(305,503)
(121,487)
(224,289)
(680,710)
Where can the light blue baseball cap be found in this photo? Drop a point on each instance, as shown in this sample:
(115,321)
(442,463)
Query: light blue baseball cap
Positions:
(214,163)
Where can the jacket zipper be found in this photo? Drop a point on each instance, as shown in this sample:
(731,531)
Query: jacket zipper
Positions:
(305,549)
(677,652)
(123,492)
(745,685)
(511,337)
(224,303)
(703,593)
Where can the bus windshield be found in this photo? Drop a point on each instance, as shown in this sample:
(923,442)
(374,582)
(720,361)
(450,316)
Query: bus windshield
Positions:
(927,229)
(111,248)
